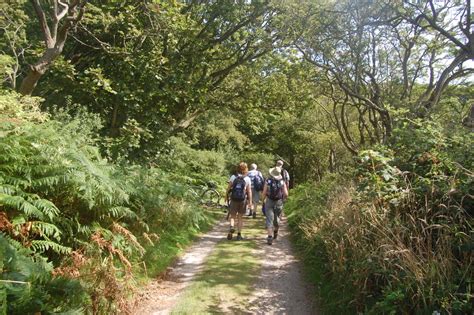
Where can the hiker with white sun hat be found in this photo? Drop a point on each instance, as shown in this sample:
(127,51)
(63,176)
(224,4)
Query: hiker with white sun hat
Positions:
(274,191)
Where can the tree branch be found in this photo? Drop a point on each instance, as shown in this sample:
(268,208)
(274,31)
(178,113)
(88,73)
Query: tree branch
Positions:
(58,15)
(445,33)
(444,80)
(43,23)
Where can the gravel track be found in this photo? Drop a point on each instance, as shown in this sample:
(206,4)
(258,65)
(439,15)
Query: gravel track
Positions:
(279,289)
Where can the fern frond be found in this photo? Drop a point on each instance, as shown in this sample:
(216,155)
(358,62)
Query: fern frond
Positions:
(8,189)
(40,246)
(21,204)
(47,229)
(122,212)
(84,229)
(47,207)
(14,243)
(50,181)
(17,182)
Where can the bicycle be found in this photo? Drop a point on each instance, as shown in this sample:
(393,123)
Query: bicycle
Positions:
(211,197)
(207,195)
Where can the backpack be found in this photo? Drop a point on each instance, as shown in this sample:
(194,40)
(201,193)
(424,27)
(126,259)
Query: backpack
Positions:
(238,189)
(285,175)
(275,189)
(258,182)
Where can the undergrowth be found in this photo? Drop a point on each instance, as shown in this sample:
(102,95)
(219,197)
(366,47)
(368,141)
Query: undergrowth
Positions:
(399,239)
(77,229)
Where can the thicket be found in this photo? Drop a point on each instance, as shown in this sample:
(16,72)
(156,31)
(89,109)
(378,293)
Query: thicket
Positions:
(74,227)
(398,238)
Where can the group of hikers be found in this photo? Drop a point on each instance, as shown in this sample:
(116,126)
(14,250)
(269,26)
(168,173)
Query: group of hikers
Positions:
(246,188)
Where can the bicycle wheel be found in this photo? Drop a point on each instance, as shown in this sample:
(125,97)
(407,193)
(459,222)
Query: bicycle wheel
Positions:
(211,197)
(194,193)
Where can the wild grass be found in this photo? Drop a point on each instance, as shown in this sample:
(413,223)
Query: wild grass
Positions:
(404,251)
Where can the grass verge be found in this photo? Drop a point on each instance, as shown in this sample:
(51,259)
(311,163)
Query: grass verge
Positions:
(173,242)
(315,268)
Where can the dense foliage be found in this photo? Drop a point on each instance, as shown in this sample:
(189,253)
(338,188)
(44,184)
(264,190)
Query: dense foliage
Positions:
(399,237)
(63,201)
(113,112)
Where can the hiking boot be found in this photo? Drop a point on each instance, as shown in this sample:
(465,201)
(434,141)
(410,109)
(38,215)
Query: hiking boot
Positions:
(275,234)
(269,240)
(239,237)
(231,231)
(254,215)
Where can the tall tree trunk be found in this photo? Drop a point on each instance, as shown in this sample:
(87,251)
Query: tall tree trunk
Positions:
(114,130)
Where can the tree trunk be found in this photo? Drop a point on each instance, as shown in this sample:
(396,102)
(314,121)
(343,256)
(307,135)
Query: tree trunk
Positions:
(54,37)
(114,130)
(38,69)
(444,79)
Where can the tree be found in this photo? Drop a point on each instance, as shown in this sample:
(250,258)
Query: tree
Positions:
(377,56)
(13,22)
(452,22)
(349,48)
(64,16)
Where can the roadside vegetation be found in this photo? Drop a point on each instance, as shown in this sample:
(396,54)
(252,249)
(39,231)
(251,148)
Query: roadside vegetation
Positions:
(398,238)
(100,224)
(114,113)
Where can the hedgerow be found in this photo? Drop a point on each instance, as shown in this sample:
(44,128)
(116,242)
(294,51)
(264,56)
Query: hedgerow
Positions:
(399,237)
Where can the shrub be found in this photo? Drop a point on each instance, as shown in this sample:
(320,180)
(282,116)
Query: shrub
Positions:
(400,241)
(27,284)
(77,218)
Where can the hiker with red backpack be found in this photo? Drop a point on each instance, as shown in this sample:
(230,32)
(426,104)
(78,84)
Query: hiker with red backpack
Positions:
(239,190)
(274,192)
(257,181)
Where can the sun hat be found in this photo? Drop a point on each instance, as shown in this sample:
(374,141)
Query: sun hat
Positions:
(275,172)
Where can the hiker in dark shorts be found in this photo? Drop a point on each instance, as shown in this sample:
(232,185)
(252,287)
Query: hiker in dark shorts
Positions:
(239,190)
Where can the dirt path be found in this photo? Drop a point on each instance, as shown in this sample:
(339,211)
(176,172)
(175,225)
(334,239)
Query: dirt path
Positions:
(279,288)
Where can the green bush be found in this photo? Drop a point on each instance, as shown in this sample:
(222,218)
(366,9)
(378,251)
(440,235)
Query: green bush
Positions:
(27,285)
(86,220)
(400,241)
(192,165)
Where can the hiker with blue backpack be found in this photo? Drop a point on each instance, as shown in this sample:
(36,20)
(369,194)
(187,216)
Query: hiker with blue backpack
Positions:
(238,191)
(274,192)
(257,181)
